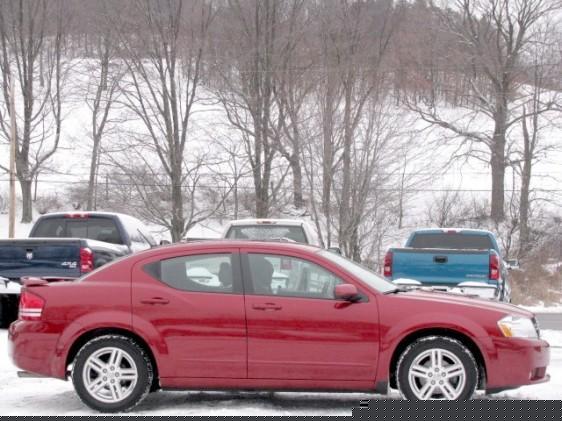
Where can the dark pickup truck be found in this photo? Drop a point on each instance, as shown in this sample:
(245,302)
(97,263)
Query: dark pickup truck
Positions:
(66,245)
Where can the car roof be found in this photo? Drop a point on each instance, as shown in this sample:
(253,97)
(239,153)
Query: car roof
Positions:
(266,221)
(221,243)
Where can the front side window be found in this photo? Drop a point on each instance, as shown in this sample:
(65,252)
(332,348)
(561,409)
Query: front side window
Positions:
(290,277)
(202,273)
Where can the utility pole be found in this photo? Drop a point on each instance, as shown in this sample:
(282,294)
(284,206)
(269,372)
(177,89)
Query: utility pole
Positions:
(12,223)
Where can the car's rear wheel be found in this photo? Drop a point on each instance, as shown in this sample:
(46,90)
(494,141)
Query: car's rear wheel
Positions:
(112,374)
(437,368)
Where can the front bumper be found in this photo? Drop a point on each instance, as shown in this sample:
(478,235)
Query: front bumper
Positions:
(517,362)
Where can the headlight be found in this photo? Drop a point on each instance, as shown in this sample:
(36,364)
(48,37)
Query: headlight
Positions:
(518,327)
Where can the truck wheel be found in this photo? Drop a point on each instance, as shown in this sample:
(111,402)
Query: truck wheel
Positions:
(112,374)
(437,368)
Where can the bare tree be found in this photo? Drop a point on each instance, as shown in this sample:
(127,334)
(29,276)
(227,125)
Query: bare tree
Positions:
(293,86)
(356,38)
(246,86)
(164,45)
(496,34)
(535,117)
(31,42)
(102,90)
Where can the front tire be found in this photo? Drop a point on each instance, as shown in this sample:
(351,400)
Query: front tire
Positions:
(437,368)
(112,374)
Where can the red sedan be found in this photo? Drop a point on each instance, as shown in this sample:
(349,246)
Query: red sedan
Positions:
(266,316)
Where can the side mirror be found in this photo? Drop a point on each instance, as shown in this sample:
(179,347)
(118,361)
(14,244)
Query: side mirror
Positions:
(346,292)
(164,242)
(336,250)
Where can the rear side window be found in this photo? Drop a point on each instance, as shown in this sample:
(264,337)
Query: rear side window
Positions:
(454,241)
(202,273)
(100,229)
(267,232)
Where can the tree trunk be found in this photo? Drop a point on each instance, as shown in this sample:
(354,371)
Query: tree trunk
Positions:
(178,220)
(497,161)
(27,203)
(525,191)
(298,199)
(498,190)
(93,173)
(344,234)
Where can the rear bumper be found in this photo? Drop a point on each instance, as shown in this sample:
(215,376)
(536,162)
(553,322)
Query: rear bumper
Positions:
(32,347)
(489,291)
(517,362)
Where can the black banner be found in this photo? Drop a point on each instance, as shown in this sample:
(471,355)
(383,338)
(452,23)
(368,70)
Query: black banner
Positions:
(476,410)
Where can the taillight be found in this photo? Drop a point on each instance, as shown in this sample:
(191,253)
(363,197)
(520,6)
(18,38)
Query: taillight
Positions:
(31,306)
(494,267)
(86,260)
(77,215)
(387,270)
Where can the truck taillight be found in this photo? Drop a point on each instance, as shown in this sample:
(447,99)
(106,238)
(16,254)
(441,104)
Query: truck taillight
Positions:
(77,215)
(31,306)
(86,260)
(494,267)
(387,269)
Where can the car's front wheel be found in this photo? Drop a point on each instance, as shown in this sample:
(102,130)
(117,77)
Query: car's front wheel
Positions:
(437,368)
(112,374)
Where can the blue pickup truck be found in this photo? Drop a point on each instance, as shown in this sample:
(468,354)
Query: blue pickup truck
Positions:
(458,260)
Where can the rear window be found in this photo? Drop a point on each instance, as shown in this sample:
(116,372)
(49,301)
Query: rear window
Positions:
(267,232)
(454,241)
(100,229)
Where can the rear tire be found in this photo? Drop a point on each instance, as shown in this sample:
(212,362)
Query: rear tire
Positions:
(112,374)
(437,368)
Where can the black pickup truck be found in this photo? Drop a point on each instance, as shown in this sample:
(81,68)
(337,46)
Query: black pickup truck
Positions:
(66,245)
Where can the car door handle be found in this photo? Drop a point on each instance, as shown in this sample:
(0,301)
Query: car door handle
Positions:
(440,259)
(155,300)
(267,307)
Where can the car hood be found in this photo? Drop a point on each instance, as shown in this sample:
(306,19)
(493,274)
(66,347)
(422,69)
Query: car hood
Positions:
(446,298)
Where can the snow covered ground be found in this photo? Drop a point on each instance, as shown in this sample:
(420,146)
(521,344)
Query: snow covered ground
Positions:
(544,310)
(54,397)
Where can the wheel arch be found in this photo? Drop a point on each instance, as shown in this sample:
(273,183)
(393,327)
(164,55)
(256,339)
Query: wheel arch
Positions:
(444,332)
(98,332)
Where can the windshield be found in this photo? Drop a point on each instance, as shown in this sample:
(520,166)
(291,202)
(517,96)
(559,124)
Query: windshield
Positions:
(267,232)
(371,278)
(453,241)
